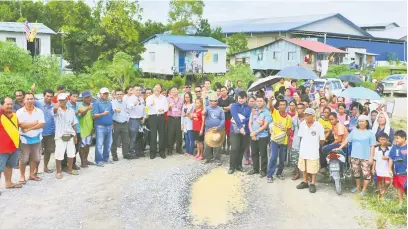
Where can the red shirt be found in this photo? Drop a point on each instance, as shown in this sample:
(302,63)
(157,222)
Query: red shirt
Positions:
(55,100)
(197,120)
(8,133)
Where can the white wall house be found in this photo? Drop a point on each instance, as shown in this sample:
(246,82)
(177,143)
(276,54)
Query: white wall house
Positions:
(169,54)
(14,31)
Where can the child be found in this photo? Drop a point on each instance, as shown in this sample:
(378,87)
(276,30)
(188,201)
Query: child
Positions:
(398,163)
(381,165)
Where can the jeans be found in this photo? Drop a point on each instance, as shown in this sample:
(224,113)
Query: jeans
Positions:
(134,125)
(276,151)
(259,149)
(189,139)
(239,143)
(328,148)
(103,143)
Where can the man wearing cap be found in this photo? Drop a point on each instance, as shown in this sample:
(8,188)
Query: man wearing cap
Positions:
(214,119)
(31,121)
(240,113)
(157,105)
(137,116)
(60,89)
(102,114)
(65,134)
(312,136)
(174,123)
(86,124)
(120,126)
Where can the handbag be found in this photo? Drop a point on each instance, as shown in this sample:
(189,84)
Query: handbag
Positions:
(66,137)
(279,138)
(32,140)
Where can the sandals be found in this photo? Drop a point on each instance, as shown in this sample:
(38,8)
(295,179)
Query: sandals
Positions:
(295,177)
(59,176)
(15,186)
(22,182)
(269,180)
(36,178)
(90,163)
(73,172)
(48,171)
(280,177)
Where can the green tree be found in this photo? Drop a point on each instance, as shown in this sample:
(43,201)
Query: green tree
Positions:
(121,71)
(184,15)
(14,58)
(237,42)
(204,29)
(150,28)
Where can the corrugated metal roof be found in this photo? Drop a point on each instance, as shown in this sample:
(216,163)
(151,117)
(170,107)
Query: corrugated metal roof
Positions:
(393,33)
(367,53)
(315,46)
(278,24)
(383,24)
(19,27)
(190,47)
(197,40)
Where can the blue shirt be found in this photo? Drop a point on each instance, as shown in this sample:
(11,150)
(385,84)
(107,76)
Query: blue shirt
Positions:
(258,119)
(123,115)
(49,126)
(75,109)
(214,117)
(353,123)
(240,115)
(361,141)
(398,155)
(381,131)
(98,108)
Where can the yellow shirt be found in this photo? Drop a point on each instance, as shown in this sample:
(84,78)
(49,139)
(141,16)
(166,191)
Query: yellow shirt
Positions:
(325,123)
(278,86)
(280,123)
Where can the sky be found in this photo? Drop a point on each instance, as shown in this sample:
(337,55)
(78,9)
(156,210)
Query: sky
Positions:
(360,12)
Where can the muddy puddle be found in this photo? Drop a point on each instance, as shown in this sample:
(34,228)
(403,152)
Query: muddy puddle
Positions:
(216,196)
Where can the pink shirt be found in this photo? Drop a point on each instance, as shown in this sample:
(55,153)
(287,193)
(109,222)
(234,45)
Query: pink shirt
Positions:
(176,110)
(343,118)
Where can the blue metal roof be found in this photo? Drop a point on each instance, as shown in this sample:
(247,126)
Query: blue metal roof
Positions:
(190,47)
(19,27)
(278,24)
(196,40)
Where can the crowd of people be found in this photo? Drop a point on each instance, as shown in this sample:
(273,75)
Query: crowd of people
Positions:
(304,123)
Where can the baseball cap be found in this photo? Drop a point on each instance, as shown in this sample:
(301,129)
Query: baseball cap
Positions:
(143,90)
(104,90)
(62,96)
(310,111)
(86,94)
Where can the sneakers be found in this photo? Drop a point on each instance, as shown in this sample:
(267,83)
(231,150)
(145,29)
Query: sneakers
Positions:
(115,158)
(280,177)
(262,174)
(312,188)
(218,162)
(252,172)
(231,171)
(99,164)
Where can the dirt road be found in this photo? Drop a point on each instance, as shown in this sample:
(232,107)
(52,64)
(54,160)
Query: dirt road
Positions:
(157,193)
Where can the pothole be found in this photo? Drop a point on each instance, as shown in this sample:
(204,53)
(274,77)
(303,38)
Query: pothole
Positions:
(216,197)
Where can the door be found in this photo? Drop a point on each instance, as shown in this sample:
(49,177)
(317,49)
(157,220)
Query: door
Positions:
(182,63)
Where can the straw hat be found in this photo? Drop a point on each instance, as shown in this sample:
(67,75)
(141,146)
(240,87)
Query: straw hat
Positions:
(214,139)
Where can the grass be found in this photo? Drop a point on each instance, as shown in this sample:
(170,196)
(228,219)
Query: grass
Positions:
(398,123)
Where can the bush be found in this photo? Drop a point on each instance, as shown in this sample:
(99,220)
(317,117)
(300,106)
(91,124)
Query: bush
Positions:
(9,82)
(239,72)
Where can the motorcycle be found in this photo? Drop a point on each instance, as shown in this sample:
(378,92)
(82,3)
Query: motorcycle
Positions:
(337,167)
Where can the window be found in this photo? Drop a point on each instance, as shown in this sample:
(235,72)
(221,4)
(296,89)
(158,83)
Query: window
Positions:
(260,56)
(37,46)
(12,39)
(291,55)
(276,55)
(152,56)
(215,58)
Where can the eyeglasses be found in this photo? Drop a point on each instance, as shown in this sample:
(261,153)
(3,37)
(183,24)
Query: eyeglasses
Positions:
(213,100)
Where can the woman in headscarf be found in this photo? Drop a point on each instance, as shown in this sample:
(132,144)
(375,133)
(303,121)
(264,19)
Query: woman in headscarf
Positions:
(383,125)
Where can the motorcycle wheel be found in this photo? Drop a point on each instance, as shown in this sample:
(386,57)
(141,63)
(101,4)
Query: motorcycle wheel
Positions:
(337,183)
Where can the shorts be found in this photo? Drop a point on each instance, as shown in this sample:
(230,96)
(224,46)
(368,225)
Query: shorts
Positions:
(294,158)
(309,165)
(9,160)
(86,141)
(30,153)
(48,144)
(62,147)
(386,179)
(198,137)
(399,181)
(228,127)
(359,166)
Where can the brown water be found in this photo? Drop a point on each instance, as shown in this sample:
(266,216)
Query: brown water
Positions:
(216,196)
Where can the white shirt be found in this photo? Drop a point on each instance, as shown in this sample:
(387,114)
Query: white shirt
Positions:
(310,140)
(160,102)
(23,117)
(381,166)
(64,120)
(136,106)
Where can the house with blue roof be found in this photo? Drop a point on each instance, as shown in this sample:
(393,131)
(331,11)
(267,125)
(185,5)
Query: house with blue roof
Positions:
(167,54)
(332,29)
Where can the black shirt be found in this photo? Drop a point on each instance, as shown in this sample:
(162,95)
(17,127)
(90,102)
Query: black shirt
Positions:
(225,103)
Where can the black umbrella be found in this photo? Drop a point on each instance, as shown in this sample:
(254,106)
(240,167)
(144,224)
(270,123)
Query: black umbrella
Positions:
(350,78)
(264,82)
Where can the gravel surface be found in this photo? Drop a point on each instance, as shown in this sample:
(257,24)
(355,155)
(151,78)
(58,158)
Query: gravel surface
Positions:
(154,194)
